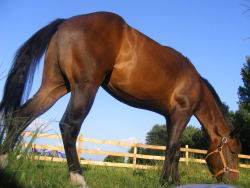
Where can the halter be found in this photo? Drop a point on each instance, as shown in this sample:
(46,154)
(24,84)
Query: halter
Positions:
(225,169)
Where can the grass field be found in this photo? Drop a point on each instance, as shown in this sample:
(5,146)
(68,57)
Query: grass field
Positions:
(38,174)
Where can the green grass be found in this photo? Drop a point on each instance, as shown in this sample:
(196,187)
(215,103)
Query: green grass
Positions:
(35,174)
(39,174)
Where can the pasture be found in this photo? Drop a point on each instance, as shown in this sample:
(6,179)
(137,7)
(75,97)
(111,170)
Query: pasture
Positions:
(26,173)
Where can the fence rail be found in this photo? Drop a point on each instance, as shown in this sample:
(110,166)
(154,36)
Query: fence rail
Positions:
(133,155)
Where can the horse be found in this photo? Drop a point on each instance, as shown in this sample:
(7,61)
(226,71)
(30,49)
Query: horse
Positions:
(100,49)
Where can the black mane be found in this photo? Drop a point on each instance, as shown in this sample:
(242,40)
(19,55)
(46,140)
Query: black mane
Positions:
(218,101)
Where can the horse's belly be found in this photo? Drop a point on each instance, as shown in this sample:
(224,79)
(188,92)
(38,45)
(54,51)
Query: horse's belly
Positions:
(137,91)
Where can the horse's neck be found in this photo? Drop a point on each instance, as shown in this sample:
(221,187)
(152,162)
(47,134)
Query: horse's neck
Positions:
(211,117)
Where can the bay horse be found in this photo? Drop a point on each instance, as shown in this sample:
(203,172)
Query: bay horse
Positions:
(100,49)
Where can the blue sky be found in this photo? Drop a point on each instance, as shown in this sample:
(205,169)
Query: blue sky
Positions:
(212,34)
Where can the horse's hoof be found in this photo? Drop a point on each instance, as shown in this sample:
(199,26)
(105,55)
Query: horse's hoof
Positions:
(162,181)
(3,161)
(77,179)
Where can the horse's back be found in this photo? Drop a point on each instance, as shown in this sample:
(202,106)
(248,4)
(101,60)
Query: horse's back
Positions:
(103,49)
(88,42)
(149,75)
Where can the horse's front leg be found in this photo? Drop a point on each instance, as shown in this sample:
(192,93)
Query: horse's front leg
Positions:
(176,124)
(170,167)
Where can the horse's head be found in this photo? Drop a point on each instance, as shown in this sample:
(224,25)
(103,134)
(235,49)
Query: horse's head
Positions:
(222,158)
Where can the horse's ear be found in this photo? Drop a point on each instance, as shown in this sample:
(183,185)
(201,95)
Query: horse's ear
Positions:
(235,132)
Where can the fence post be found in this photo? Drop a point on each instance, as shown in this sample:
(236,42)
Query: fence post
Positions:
(79,147)
(135,152)
(186,154)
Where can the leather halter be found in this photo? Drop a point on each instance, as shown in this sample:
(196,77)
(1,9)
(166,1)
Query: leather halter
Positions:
(225,169)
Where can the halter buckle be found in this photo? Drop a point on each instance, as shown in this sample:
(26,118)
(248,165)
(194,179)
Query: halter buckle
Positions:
(224,140)
(226,169)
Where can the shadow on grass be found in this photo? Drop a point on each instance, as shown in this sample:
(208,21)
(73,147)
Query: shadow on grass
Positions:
(8,180)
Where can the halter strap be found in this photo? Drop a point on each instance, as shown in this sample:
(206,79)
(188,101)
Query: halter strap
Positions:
(225,166)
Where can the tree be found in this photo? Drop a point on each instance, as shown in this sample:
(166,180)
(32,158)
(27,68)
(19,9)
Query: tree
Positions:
(241,118)
(192,136)
(244,91)
(116,159)
(195,138)
(157,135)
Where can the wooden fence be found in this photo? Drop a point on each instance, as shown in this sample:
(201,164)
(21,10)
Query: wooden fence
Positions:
(133,155)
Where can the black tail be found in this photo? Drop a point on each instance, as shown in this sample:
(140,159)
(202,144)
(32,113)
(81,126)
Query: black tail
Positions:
(20,76)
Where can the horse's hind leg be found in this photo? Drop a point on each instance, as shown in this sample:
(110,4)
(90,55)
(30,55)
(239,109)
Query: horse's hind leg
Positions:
(82,97)
(42,100)
(52,88)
